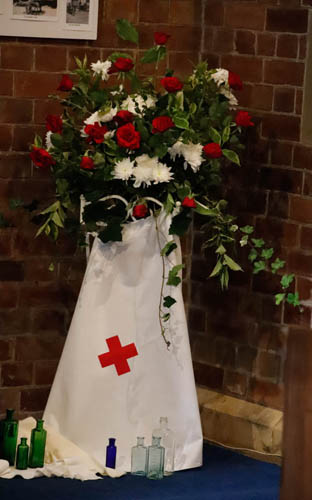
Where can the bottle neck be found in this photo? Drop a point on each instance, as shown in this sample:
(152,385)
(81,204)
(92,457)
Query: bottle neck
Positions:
(24,441)
(156,441)
(140,441)
(39,426)
(163,422)
(111,441)
(9,414)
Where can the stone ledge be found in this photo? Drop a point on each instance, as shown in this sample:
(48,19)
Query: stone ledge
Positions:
(235,423)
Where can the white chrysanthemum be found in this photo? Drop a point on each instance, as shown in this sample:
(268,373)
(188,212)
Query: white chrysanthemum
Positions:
(162,173)
(192,154)
(131,104)
(123,169)
(101,117)
(221,76)
(101,68)
(233,102)
(49,144)
(143,172)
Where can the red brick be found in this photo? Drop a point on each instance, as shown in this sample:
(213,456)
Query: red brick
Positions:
(182,62)
(93,55)
(249,68)
(266,393)
(270,311)
(34,399)
(307,187)
(38,348)
(45,372)
(235,383)
(6,83)
(225,353)
(213,60)
(245,42)
(185,12)
(269,337)
(209,376)
(48,321)
(266,44)
(154,12)
(301,209)
(26,244)
(303,157)
(246,358)
(44,108)
(281,153)
(11,271)
(283,127)
(301,263)
(262,97)
(296,316)
(283,179)
(299,101)
(15,111)
(9,398)
(8,295)
(14,166)
(268,365)
(16,57)
(214,13)
(32,84)
(287,20)
(304,287)
(196,320)
(38,270)
(5,137)
(245,16)
(284,72)
(50,58)
(275,230)
(265,282)
(117,10)
(287,46)
(223,41)
(14,374)
(23,136)
(5,350)
(14,322)
(6,239)
(306,238)
(302,47)
(185,38)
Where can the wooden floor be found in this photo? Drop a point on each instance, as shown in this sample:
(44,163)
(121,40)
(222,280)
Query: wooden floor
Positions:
(297,462)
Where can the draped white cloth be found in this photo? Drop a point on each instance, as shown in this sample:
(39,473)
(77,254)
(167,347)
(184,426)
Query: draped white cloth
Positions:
(120,296)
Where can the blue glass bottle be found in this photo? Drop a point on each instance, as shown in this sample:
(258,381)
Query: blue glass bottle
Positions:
(139,458)
(111,452)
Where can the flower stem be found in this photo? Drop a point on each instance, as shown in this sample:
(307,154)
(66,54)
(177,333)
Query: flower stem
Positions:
(162,328)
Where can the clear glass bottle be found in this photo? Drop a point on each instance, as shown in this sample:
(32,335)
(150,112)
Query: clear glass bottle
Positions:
(111,452)
(9,430)
(139,458)
(37,445)
(22,455)
(167,441)
(155,459)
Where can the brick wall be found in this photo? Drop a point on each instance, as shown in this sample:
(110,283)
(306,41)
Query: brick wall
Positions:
(239,338)
(35,304)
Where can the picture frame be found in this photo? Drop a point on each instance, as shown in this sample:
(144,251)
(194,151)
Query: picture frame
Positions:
(75,19)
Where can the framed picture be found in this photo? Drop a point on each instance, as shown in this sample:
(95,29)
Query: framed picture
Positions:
(49,18)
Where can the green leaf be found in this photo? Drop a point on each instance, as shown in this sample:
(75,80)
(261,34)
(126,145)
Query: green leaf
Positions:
(286,280)
(214,135)
(57,140)
(52,208)
(277,264)
(232,265)
(38,141)
(279,297)
(173,278)
(259,266)
(57,220)
(168,248)
(112,232)
(200,209)
(15,203)
(221,250)
(150,56)
(169,204)
(216,269)
(193,108)
(267,253)
(166,317)
(244,240)
(253,255)
(226,134)
(247,229)
(180,223)
(169,301)
(51,267)
(231,155)
(181,122)
(224,279)
(127,31)
(259,243)
(293,299)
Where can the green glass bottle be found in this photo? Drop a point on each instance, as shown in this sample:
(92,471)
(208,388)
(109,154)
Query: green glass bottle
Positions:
(22,455)
(9,430)
(37,445)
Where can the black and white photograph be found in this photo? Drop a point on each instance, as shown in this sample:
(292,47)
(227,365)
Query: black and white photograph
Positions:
(78,12)
(42,10)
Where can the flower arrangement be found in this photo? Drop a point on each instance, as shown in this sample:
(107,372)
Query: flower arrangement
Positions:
(126,145)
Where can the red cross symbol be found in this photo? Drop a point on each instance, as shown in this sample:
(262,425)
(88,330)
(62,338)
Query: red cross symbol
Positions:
(118,355)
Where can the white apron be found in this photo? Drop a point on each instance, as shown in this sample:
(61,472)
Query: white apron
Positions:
(123,393)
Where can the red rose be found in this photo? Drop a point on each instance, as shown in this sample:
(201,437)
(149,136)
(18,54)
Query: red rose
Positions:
(123,117)
(213,150)
(171,83)
(87,163)
(41,158)
(66,84)
(128,137)
(95,132)
(243,119)
(161,38)
(234,81)
(124,64)
(54,124)
(161,124)
(188,202)
(139,211)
